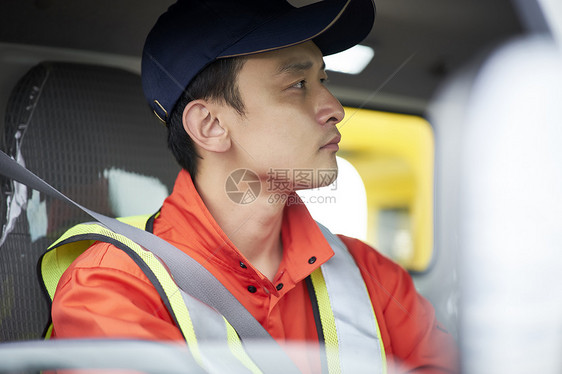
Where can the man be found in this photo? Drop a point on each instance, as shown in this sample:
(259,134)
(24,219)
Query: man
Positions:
(240,85)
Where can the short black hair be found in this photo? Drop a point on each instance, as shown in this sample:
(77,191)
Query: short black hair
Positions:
(217,82)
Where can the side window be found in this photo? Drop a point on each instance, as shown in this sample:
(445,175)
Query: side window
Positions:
(394,155)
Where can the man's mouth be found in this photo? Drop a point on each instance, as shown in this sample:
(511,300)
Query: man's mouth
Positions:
(333,143)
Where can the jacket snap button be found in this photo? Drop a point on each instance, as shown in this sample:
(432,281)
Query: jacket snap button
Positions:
(242,265)
(252,289)
(279,286)
(312,260)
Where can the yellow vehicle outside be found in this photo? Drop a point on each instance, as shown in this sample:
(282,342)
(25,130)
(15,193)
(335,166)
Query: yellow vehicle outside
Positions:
(394,154)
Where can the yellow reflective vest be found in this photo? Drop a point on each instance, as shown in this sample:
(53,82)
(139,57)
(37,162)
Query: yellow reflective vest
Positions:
(347,327)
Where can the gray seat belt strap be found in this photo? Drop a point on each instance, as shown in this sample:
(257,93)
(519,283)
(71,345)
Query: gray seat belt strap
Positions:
(190,276)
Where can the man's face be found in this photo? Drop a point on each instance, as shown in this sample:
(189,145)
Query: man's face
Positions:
(289,127)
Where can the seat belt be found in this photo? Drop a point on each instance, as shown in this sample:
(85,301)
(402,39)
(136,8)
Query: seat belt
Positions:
(188,273)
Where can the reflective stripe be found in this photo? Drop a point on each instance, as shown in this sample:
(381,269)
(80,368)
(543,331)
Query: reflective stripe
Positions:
(328,320)
(54,263)
(238,350)
(79,237)
(358,335)
(211,327)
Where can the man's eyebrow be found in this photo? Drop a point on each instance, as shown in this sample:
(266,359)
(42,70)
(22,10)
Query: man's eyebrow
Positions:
(297,67)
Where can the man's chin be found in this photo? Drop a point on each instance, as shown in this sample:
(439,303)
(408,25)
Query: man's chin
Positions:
(321,178)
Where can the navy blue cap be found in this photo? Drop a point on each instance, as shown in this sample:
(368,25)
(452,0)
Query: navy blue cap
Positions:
(193,33)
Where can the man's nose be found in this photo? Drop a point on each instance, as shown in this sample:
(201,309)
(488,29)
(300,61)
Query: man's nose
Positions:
(329,110)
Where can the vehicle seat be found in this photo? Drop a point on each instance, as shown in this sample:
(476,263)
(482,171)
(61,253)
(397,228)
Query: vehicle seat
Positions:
(88,131)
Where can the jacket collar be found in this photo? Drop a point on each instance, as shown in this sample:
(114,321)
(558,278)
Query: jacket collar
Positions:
(189,224)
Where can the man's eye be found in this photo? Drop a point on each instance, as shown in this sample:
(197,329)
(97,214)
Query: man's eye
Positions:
(300,84)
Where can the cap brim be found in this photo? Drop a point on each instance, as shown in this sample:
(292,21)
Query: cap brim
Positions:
(334,26)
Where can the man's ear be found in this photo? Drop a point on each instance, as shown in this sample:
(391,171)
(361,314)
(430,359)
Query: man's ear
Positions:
(204,127)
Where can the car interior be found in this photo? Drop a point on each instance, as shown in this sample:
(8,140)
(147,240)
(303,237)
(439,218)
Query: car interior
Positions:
(474,85)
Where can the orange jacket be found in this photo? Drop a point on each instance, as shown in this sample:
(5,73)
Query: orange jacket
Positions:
(104,293)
